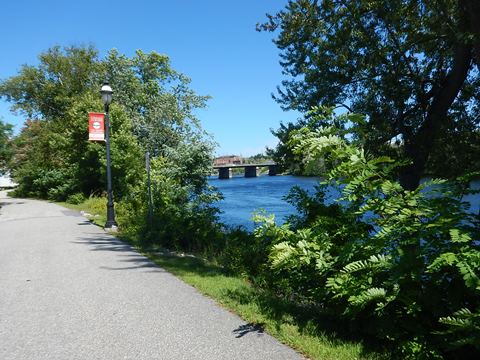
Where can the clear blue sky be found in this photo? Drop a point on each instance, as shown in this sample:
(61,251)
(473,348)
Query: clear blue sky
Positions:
(213,42)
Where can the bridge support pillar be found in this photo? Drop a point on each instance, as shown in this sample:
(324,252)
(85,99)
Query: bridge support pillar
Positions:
(272,170)
(250,171)
(224,173)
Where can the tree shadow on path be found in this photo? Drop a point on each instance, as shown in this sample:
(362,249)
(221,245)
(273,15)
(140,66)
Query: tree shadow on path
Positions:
(129,256)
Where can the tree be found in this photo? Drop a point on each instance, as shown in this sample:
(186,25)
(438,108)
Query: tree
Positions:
(48,90)
(283,154)
(153,110)
(411,66)
(5,146)
(156,97)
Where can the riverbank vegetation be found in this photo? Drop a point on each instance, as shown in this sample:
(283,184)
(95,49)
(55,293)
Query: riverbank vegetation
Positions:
(389,264)
(401,265)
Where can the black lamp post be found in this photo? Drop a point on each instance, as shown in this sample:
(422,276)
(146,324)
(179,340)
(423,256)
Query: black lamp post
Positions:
(107,93)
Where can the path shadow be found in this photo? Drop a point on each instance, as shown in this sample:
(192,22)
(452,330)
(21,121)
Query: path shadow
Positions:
(131,258)
(137,266)
(12,203)
(104,243)
(245,329)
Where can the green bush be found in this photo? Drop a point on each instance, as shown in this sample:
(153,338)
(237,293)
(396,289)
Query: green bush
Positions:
(183,215)
(245,254)
(402,266)
(76,199)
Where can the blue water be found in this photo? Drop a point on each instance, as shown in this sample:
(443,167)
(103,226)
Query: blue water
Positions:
(243,196)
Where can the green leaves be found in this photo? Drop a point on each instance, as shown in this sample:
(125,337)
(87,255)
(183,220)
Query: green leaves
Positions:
(6,151)
(374,261)
(382,59)
(464,325)
(368,296)
(459,237)
(398,259)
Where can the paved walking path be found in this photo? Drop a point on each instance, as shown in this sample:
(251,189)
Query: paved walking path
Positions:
(70,291)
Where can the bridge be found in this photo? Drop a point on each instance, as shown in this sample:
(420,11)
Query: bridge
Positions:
(225,171)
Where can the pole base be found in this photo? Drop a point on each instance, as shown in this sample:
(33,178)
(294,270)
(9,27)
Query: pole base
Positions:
(111,225)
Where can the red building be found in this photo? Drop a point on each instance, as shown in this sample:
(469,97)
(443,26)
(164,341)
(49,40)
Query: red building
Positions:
(228,160)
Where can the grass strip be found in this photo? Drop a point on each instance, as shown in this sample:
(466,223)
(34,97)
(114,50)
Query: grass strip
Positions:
(263,311)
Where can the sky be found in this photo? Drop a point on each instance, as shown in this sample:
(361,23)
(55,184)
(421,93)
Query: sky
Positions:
(211,41)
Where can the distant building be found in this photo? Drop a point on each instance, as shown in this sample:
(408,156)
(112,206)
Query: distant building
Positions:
(228,160)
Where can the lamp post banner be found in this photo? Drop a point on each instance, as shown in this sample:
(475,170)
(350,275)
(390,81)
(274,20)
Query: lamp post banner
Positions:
(96,126)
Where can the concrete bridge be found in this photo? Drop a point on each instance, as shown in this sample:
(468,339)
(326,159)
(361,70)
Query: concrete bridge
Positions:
(225,171)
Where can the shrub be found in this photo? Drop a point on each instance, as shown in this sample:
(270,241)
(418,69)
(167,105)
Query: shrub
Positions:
(401,265)
(76,199)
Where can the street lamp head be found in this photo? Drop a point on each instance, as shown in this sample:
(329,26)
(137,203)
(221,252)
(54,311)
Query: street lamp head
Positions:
(106,93)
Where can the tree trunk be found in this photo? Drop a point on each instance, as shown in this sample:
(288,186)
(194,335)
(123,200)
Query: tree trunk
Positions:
(418,146)
(411,175)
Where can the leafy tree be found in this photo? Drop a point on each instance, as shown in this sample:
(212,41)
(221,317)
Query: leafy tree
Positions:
(153,103)
(39,165)
(153,110)
(48,90)
(162,108)
(283,154)
(257,159)
(5,146)
(156,97)
(411,66)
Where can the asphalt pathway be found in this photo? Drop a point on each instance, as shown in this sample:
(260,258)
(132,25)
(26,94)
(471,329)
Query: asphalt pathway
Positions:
(68,290)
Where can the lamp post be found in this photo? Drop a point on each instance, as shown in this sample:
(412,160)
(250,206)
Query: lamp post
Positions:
(106,92)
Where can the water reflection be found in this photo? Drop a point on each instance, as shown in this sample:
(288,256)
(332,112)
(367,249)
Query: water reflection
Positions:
(243,196)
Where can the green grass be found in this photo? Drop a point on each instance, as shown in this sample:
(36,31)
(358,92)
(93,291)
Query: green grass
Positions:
(95,206)
(291,324)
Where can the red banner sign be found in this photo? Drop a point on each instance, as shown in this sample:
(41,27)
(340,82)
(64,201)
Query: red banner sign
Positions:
(96,128)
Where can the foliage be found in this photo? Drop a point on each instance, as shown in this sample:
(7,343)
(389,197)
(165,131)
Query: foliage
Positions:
(460,144)
(411,66)
(183,214)
(48,90)
(257,159)
(284,154)
(152,101)
(45,94)
(157,99)
(38,165)
(5,145)
(76,199)
(153,110)
(402,265)
(53,159)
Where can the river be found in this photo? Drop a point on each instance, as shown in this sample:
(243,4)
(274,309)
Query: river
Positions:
(243,196)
